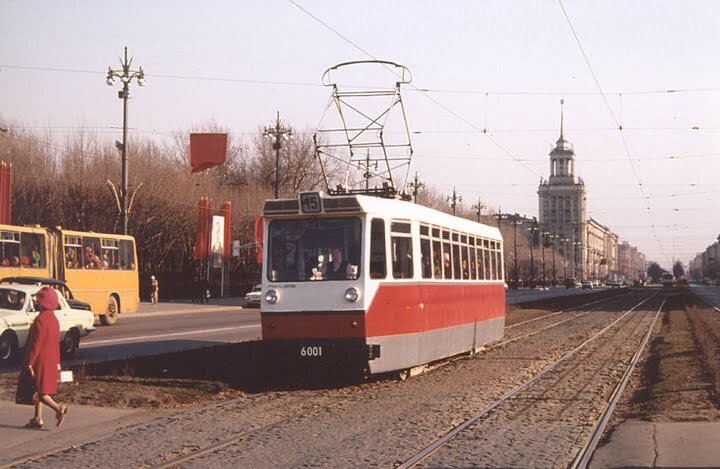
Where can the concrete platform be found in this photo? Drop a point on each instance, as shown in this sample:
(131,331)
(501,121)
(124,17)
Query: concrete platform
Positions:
(646,444)
(82,424)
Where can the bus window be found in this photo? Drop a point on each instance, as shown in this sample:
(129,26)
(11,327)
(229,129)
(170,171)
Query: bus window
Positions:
(402,257)
(377,249)
(473,264)
(457,273)
(127,254)
(73,252)
(110,257)
(91,250)
(10,248)
(32,250)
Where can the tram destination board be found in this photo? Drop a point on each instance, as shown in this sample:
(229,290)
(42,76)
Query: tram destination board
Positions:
(310,202)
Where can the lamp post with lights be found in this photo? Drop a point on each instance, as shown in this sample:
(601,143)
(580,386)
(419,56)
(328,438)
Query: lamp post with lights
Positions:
(126,76)
(277,132)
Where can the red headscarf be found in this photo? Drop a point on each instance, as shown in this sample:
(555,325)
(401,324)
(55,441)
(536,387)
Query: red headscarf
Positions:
(47,297)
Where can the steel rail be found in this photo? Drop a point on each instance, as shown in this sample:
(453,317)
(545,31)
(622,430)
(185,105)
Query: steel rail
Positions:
(442,441)
(589,448)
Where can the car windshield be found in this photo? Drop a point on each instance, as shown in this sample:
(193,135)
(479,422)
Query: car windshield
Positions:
(11,299)
(314,249)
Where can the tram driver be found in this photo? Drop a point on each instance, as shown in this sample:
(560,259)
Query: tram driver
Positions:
(338,268)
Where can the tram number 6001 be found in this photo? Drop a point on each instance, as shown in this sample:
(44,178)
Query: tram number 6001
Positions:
(311,351)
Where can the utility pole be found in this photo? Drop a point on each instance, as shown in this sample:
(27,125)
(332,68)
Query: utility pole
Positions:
(454,200)
(533,230)
(479,207)
(276,132)
(126,76)
(416,185)
(564,240)
(543,238)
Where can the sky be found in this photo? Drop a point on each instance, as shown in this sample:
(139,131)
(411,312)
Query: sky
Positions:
(650,67)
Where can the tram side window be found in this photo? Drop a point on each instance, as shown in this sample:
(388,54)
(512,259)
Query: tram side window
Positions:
(402,259)
(498,261)
(10,248)
(473,263)
(32,252)
(127,254)
(437,259)
(486,262)
(426,258)
(91,250)
(378,269)
(493,269)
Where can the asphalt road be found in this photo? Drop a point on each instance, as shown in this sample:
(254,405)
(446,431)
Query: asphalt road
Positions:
(164,328)
(170,327)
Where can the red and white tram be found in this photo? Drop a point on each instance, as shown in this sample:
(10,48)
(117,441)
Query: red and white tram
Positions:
(375,285)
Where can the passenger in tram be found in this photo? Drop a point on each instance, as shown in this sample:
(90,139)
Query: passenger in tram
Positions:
(14,261)
(35,256)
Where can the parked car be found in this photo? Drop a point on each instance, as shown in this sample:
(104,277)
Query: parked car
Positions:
(571,283)
(58,285)
(587,285)
(252,298)
(17,314)
(616,284)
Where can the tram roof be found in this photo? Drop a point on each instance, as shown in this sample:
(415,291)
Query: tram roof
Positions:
(348,204)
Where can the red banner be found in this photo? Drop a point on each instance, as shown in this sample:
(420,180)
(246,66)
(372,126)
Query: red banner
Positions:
(6,180)
(259,225)
(206,151)
(226,211)
(202,244)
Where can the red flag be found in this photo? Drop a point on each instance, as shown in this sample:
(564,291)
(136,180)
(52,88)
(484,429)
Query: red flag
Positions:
(202,244)
(259,225)
(206,151)
(226,211)
(6,180)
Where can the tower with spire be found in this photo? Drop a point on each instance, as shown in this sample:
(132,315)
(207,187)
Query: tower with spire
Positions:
(563,203)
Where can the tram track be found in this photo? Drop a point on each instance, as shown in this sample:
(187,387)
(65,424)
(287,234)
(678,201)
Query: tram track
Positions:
(321,427)
(620,329)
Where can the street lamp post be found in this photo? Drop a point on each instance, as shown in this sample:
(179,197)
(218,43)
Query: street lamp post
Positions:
(126,75)
(543,237)
(479,207)
(454,200)
(533,230)
(276,132)
(564,240)
(554,276)
(416,185)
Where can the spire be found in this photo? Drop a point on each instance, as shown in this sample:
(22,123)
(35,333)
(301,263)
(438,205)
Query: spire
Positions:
(562,102)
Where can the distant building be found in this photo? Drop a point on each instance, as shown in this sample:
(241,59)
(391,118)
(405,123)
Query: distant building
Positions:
(591,249)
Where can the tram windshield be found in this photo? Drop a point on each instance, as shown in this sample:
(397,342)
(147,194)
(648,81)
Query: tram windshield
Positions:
(314,249)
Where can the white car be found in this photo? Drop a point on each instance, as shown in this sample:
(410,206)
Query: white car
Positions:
(253,296)
(17,314)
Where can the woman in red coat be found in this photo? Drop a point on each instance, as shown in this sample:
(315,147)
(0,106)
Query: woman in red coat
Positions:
(42,356)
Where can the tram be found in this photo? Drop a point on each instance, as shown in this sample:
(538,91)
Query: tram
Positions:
(375,285)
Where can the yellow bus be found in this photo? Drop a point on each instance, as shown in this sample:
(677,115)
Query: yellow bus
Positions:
(99,268)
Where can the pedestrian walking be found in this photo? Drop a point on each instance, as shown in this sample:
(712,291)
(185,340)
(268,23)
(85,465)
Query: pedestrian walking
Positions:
(42,358)
(154,290)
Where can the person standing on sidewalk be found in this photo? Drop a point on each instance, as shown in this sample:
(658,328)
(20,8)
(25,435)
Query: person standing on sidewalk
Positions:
(42,357)
(154,289)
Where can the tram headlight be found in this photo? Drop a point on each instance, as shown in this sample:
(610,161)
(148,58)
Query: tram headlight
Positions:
(351,294)
(271,296)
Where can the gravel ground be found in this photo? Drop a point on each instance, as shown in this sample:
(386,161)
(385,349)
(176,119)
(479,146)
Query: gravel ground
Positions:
(378,423)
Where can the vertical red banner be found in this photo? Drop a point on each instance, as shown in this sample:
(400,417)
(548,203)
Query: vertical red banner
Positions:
(6,180)
(202,240)
(259,228)
(226,211)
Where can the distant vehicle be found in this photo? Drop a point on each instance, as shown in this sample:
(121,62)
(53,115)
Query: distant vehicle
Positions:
(17,313)
(667,279)
(50,282)
(615,284)
(252,298)
(571,283)
(717,282)
(587,285)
